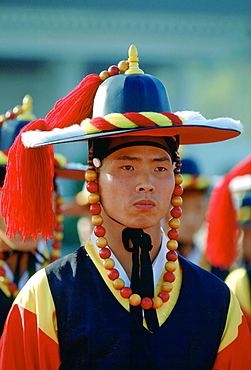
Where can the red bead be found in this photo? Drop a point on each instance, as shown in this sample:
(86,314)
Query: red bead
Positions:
(56,245)
(164,296)
(126,292)
(59,210)
(95,209)
(113,274)
(176,212)
(2,271)
(169,276)
(173,234)
(10,114)
(92,187)
(59,227)
(12,287)
(99,231)
(171,256)
(146,303)
(178,190)
(104,253)
(113,70)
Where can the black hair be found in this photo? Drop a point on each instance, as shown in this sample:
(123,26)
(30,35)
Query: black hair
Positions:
(100,146)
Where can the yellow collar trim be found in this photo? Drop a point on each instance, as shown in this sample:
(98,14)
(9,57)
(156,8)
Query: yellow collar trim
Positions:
(164,311)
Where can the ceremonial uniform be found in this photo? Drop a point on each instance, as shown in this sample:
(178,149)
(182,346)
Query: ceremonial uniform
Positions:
(89,322)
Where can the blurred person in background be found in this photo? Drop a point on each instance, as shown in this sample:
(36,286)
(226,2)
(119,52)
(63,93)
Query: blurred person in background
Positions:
(239,279)
(195,185)
(223,232)
(19,260)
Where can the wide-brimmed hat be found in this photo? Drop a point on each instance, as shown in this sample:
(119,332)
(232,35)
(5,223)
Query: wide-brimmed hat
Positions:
(110,105)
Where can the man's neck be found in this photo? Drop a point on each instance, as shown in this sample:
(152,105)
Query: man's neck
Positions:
(114,237)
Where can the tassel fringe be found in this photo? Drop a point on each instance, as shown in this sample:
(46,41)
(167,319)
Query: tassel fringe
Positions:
(26,203)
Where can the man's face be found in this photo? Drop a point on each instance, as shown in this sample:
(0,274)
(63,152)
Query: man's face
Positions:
(136,184)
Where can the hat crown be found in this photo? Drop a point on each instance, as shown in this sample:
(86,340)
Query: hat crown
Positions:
(131,93)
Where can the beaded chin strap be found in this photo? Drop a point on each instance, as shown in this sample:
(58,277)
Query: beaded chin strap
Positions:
(105,252)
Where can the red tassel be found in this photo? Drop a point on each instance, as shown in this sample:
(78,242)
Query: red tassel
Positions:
(222,224)
(26,202)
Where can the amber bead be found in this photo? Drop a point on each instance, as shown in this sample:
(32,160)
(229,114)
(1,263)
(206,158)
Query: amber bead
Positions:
(174,223)
(101,242)
(55,253)
(172,245)
(59,201)
(134,299)
(170,266)
(157,302)
(123,65)
(146,303)
(176,201)
(108,263)
(2,118)
(90,175)
(118,284)
(96,219)
(18,109)
(178,179)
(93,198)
(58,236)
(104,75)
(59,219)
(167,286)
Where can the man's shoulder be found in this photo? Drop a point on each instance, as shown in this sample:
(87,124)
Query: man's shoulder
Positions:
(202,278)
(67,262)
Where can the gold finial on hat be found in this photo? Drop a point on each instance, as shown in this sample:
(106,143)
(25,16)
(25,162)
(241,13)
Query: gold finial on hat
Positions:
(133,62)
(27,108)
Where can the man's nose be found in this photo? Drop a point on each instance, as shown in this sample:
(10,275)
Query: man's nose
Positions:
(145,184)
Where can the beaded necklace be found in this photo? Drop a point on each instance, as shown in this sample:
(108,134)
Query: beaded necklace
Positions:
(105,253)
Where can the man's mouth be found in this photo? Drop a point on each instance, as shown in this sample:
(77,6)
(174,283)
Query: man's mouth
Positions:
(144,204)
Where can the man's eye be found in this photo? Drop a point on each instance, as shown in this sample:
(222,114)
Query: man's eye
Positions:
(128,167)
(160,169)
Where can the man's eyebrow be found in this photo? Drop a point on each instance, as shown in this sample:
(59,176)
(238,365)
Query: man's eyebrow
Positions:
(138,159)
